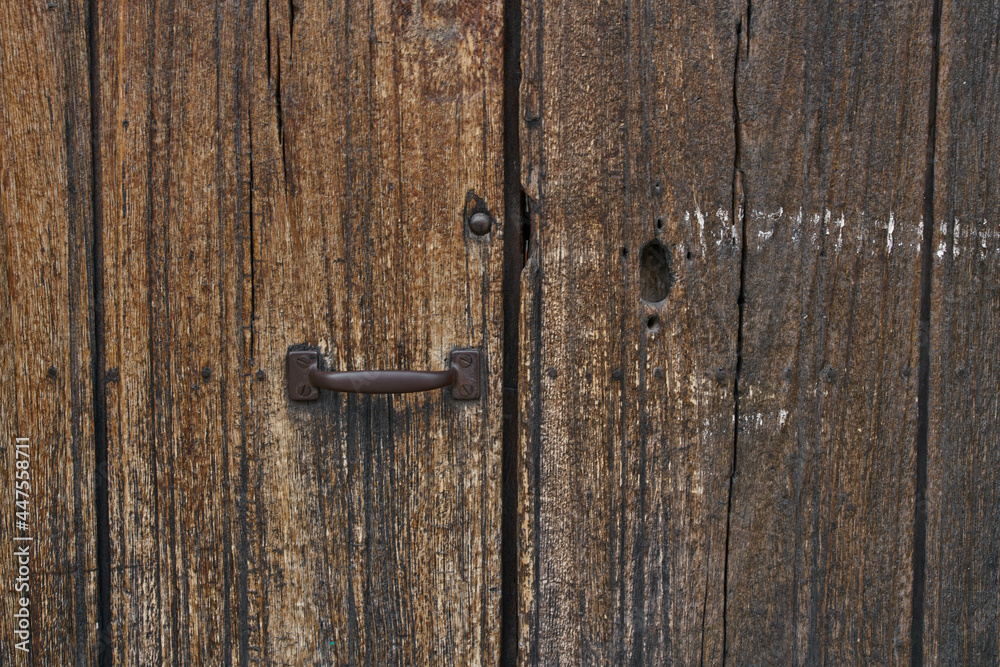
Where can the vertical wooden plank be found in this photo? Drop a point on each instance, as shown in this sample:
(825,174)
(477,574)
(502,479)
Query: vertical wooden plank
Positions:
(46,337)
(833,100)
(280,174)
(377,133)
(175,168)
(629,330)
(963,495)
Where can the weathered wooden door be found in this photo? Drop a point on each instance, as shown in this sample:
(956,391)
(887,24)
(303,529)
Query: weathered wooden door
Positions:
(734,280)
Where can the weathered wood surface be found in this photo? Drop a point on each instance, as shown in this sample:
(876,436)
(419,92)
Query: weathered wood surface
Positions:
(963,477)
(45,331)
(174,164)
(732,473)
(289,173)
(833,103)
(626,398)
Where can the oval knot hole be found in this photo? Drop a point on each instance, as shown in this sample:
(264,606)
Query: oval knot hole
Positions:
(655,274)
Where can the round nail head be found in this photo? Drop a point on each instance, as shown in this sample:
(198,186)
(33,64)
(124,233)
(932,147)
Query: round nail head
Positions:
(480,224)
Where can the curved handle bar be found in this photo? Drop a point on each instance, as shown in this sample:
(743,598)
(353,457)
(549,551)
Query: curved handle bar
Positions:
(305,378)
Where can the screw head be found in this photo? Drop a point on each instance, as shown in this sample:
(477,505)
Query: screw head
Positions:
(480,224)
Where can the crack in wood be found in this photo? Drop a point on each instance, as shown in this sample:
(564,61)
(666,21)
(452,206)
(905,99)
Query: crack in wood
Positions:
(739,206)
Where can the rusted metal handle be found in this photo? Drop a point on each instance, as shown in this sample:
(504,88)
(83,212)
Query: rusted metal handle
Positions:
(305,378)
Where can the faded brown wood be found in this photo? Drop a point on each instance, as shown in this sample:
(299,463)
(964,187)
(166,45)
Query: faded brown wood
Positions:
(705,478)
(385,510)
(963,493)
(175,163)
(833,101)
(45,333)
(626,400)
(276,178)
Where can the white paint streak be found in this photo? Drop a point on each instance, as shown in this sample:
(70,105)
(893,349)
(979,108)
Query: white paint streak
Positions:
(867,230)
(782,416)
(701,231)
(723,216)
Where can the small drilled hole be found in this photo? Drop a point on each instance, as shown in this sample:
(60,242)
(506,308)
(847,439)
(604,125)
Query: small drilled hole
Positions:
(689,255)
(624,252)
(659,223)
(653,323)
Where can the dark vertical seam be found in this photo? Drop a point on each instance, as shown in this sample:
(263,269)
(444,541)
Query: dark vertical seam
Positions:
(102,514)
(513,263)
(487,616)
(267,39)
(227,610)
(923,378)
(278,98)
(371,417)
(535,241)
(536,443)
(79,259)
(246,393)
(738,211)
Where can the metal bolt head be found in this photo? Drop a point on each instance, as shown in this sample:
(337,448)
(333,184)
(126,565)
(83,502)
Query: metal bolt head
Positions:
(480,224)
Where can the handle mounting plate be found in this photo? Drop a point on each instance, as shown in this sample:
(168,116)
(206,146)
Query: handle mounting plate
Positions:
(466,365)
(299,364)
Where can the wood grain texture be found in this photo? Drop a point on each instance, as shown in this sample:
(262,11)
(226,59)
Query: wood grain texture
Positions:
(280,174)
(627,421)
(382,512)
(833,100)
(175,167)
(963,491)
(45,329)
